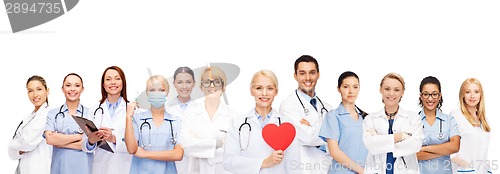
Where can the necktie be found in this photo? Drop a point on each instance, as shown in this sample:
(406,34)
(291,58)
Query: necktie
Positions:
(313,102)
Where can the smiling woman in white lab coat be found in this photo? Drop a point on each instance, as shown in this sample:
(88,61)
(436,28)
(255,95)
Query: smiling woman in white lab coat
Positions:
(246,151)
(392,136)
(28,146)
(474,130)
(109,116)
(184,83)
(205,127)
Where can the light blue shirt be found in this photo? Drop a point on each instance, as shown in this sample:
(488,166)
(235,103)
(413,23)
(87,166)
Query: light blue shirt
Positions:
(340,126)
(183,105)
(441,165)
(68,160)
(160,140)
(112,107)
(266,119)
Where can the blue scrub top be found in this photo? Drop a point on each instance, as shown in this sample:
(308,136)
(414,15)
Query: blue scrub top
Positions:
(160,141)
(339,125)
(441,165)
(68,160)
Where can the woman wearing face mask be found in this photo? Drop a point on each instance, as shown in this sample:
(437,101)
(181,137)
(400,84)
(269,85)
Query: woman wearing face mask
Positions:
(184,83)
(64,134)
(152,136)
(27,145)
(246,150)
(205,127)
(441,131)
(392,136)
(474,130)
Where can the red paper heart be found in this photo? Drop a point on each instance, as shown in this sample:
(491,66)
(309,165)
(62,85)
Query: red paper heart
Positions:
(279,138)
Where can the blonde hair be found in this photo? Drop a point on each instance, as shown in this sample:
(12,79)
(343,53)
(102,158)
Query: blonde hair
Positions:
(158,78)
(393,75)
(213,72)
(265,73)
(481,113)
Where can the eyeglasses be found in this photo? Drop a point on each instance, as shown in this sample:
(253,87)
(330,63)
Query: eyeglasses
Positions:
(207,83)
(427,95)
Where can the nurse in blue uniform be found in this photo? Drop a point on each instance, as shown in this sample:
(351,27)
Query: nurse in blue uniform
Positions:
(152,136)
(442,137)
(64,134)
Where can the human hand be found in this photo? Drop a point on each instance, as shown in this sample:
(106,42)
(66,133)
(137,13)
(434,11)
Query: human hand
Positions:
(219,142)
(275,158)
(305,122)
(131,107)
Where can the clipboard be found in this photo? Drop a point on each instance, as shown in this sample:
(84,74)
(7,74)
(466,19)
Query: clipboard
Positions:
(83,122)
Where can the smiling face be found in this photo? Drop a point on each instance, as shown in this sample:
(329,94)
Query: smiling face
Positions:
(307,75)
(72,88)
(472,95)
(349,90)
(37,93)
(430,96)
(392,90)
(263,89)
(184,84)
(113,83)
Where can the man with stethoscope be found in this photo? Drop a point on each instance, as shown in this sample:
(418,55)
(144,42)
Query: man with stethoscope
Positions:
(306,111)
(109,115)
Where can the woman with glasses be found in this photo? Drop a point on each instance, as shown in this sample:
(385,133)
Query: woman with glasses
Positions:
(64,134)
(392,135)
(441,131)
(152,136)
(205,127)
(184,83)
(109,116)
(474,130)
(246,150)
(27,145)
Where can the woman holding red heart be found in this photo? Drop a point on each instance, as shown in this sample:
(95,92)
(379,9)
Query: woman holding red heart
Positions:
(246,149)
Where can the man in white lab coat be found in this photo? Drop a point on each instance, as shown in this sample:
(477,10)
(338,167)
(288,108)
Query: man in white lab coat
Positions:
(306,111)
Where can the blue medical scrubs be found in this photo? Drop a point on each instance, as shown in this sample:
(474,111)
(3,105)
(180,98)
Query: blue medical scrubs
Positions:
(68,160)
(340,126)
(448,126)
(160,141)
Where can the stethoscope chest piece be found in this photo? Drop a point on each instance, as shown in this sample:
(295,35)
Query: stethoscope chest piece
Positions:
(440,135)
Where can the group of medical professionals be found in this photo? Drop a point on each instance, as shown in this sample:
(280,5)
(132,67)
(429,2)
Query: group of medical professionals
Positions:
(208,137)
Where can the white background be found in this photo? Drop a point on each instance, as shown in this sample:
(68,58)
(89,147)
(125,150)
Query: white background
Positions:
(452,40)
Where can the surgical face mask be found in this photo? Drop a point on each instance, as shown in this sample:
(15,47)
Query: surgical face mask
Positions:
(157,99)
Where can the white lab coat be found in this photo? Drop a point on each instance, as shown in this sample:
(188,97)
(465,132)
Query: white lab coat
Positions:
(199,135)
(474,144)
(106,162)
(313,159)
(379,142)
(174,108)
(249,160)
(29,138)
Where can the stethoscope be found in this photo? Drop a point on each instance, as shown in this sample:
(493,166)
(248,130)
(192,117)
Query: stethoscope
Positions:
(249,130)
(102,112)
(306,111)
(80,131)
(440,135)
(146,123)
